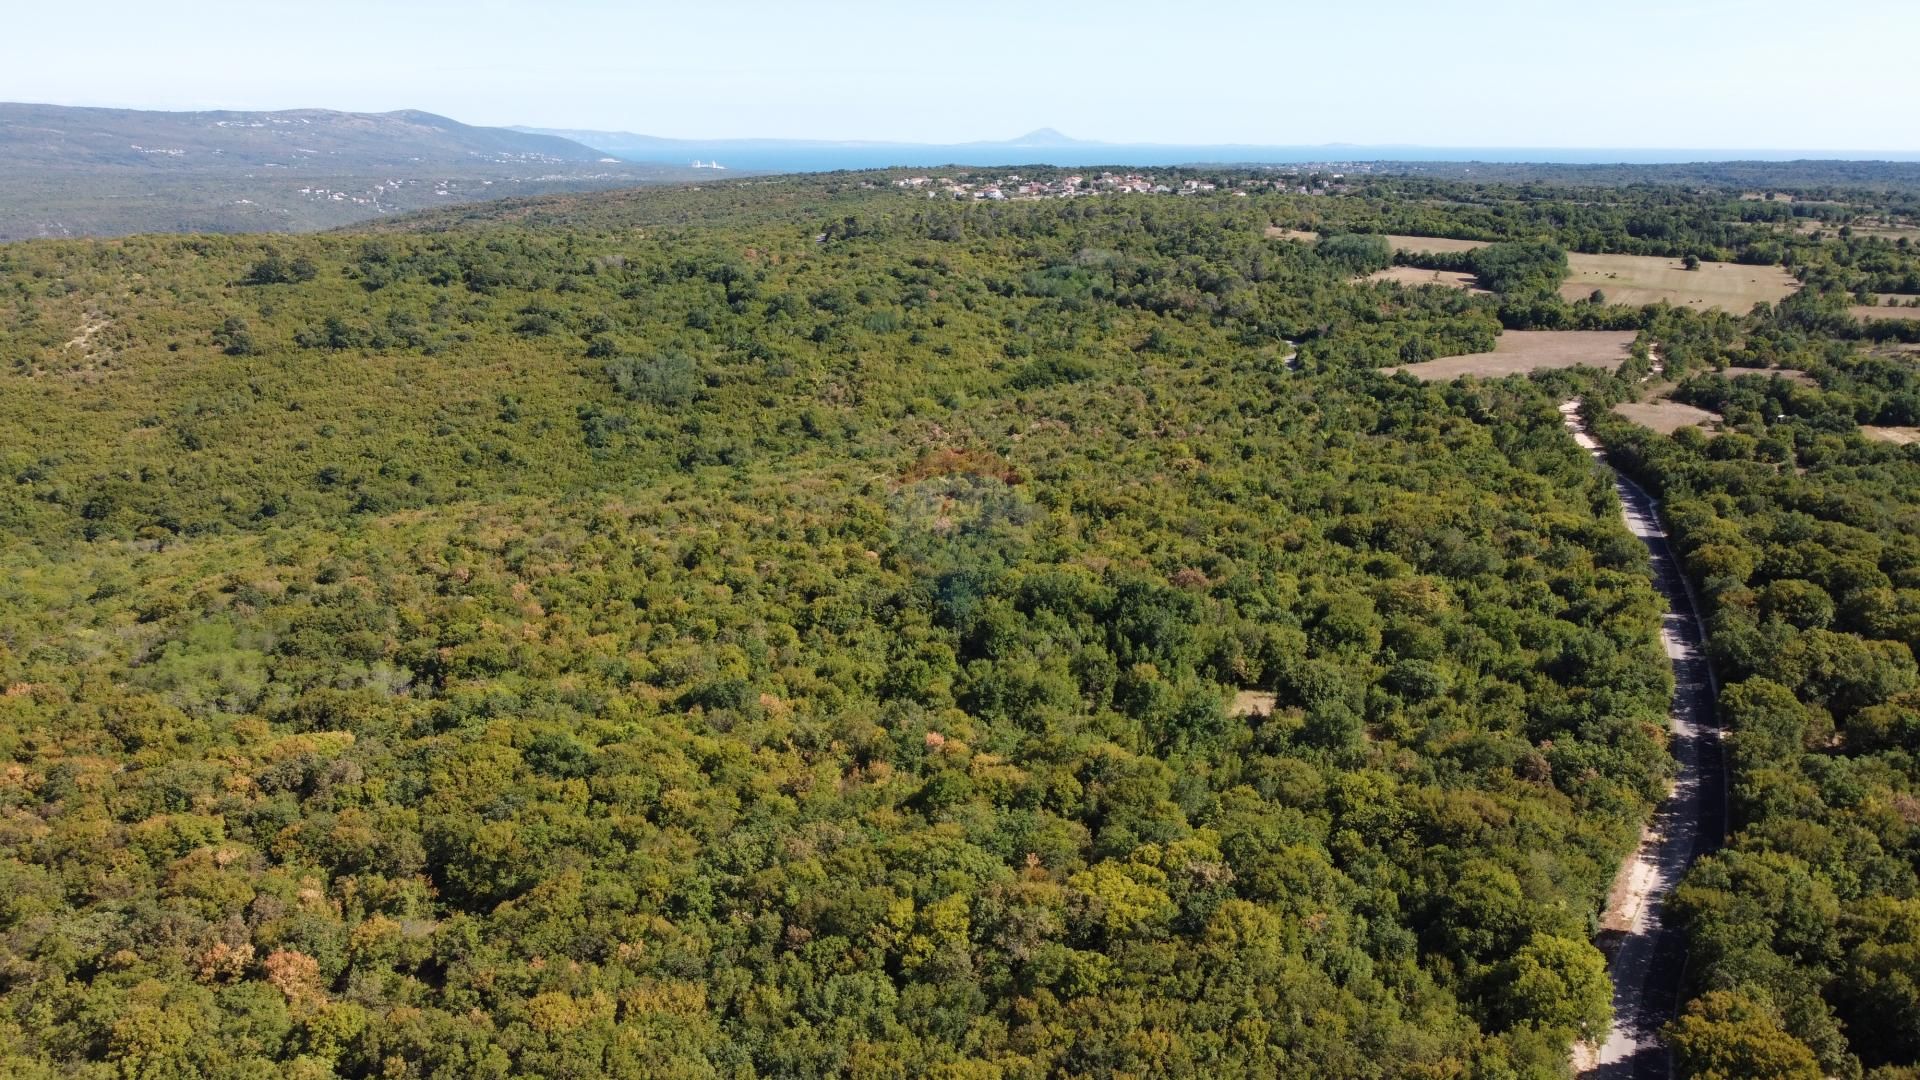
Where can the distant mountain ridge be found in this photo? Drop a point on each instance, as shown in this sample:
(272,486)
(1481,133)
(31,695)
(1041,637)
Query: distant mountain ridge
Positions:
(57,135)
(68,171)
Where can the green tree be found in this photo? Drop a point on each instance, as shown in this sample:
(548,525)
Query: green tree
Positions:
(1726,1035)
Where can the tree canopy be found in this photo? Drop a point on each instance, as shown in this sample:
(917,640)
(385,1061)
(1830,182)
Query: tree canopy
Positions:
(800,628)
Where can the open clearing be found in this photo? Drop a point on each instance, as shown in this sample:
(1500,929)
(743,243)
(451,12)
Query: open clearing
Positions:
(1792,375)
(1253,703)
(1861,311)
(1275,232)
(1520,351)
(1886,306)
(1649,279)
(1889,233)
(1413,275)
(1666,417)
(1433,243)
(1646,279)
(1899,436)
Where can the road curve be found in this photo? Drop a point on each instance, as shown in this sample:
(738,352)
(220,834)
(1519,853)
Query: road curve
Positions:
(1646,958)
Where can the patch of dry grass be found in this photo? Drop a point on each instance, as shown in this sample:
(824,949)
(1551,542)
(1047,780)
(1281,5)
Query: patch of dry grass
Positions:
(1649,279)
(1666,417)
(1520,351)
(1252,703)
(1275,232)
(1792,375)
(1886,232)
(1413,275)
(1887,306)
(1899,436)
(1645,279)
(1433,243)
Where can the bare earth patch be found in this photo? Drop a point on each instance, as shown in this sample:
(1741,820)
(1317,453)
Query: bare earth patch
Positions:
(1899,436)
(1666,417)
(1649,279)
(1520,351)
(1413,275)
(1252,703)
(1433,243)
(1275,232)
(92,325)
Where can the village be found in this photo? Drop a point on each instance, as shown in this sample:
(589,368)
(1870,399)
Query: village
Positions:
(1075,185)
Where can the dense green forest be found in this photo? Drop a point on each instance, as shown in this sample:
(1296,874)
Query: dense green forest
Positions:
(1806,930)
(797,628)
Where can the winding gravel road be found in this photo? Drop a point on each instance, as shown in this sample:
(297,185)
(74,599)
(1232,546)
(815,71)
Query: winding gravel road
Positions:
(1646,958)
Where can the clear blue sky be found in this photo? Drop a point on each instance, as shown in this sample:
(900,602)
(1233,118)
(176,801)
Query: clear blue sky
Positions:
(1841,74)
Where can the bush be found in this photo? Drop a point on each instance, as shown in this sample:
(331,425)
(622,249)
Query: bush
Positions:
(234,337)
(276,269)
(665,382)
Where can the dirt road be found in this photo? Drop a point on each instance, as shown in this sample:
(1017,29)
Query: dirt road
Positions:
(1645,957)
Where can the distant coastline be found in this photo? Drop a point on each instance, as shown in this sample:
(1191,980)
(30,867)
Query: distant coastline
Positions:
(1047,147)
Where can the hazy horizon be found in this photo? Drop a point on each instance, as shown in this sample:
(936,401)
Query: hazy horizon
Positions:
(1504,75)
(1073,139)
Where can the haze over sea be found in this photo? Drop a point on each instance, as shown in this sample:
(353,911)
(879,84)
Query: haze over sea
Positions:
(775,156)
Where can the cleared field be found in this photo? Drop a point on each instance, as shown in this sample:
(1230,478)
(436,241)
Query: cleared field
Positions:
(1863,312)
(1899,436)
(1897,309)
(1413,275)
(1665,417)
(1433,243)
(1792,375)
(1275,232)
(1521,351)
(1885,232)
(1649,279)
(1645,279)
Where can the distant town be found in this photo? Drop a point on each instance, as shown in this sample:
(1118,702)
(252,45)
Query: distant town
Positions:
(1074,185)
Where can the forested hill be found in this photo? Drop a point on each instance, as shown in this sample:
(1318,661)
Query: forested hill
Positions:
(805,628)
(56,136)
(80,171)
